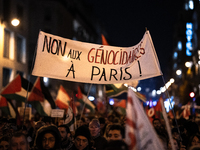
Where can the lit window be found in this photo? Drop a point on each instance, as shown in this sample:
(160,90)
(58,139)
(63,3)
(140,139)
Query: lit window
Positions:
(6,44)
(6,76)
(191,4)
(179,45)
(175,55)
(21,53)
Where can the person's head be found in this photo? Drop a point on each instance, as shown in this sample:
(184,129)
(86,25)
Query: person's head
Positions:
(18,141)
(156,123)
(4,143)
(94,127)
(47,121)
(175,133)
(116,145)
(38,125)
(82,137)
(81,122)
(64,132)
(176,144)
(115,132)
(102,122)
(194,140)
(48,138)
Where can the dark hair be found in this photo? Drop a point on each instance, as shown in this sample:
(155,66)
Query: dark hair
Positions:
(66,127)
(155,120)
(18,134)
(118,127)
(191,139)
(102,120)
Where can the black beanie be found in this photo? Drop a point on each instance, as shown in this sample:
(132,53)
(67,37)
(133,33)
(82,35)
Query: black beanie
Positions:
(83,131)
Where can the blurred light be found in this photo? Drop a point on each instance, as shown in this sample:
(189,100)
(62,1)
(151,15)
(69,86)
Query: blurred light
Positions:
(111,102)
(139,89)
(126,85)
(172,80)
(167,104)
(15,22)
(158,92)
(188,64)
(153,93)
(178,72)
(179,45)
(132,88)
(191,4)
(199,62)
(45,79)
(175,55)
(154,103)
(192,94)
(91,98)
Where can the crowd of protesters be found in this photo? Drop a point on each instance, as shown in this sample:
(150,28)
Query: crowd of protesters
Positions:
(89,133)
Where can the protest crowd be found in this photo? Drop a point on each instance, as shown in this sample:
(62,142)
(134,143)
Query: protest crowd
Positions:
(92,132)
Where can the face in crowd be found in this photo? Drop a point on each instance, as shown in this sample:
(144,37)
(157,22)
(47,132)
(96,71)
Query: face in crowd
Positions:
(114,135)
(81,142)
(48,141)
(4,145)
(94,127)
(63,133)
(175,145)
(156,124)
(19,142)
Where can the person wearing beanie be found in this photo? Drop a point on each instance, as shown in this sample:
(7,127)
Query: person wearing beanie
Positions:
(65,133)
(48,138)
(82,139)
(99,141)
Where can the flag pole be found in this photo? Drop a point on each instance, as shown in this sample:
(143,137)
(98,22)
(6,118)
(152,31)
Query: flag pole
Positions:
(84,101)
(171,106)
(29,82)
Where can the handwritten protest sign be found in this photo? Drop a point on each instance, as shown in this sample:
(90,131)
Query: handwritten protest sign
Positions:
(66,59)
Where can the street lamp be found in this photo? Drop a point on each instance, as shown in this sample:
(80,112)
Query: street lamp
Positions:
(178,72)
(15,22)
(188,64)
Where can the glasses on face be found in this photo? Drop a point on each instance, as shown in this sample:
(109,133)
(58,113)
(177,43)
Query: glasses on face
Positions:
(49,140)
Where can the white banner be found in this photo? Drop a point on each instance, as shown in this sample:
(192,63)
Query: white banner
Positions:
(140,134)
(66,59)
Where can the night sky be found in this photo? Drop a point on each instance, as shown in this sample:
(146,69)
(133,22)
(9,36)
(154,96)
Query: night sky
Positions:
(125,23)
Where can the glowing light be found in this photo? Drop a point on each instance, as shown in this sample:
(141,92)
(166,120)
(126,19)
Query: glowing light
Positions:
(45,79)
(91,98)
(178,72)
(171,80)
(139,89)
(192,94)
(188,64)
(15,22)
(111,102)
(153,93)
(158,92)
(191,4)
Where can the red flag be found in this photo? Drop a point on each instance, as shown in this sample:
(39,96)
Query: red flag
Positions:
(158,109)
(150,113)
(63,99)
(104,41)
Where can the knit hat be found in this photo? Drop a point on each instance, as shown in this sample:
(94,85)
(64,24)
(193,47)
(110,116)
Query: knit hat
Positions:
(95,122)
(83,131)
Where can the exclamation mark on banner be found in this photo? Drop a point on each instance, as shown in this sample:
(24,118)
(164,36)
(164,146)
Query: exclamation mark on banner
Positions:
(139,68)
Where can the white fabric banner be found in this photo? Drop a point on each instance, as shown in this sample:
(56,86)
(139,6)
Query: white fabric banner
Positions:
(140,134)
(66,59)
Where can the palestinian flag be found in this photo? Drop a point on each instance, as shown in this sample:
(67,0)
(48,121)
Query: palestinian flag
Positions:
(17,89)
(118,91)
(4,106)
(158,109)
(63,99)
(83,99)
(40,98)
(121,106)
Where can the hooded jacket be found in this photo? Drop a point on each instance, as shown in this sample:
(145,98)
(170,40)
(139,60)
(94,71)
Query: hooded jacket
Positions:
(47,129)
